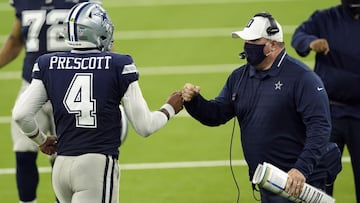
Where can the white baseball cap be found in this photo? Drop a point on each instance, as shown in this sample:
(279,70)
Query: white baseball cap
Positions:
(259,26)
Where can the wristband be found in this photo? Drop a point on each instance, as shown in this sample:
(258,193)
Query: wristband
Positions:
(170,110)
(39,138)
(165,112)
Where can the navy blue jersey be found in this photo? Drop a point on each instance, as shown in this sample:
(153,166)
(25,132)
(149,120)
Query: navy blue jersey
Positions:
(41,25)
(85,90)
(339,69)
(283,113)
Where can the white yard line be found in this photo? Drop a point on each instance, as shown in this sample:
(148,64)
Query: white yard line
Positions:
(164,70)
(176,33)
(149,166)
(160,70)
(7,119)
(185,33)
(175,165)
(164,165)
(152,3)
(4,119)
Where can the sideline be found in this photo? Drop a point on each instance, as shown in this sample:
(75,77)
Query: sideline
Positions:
(163,165)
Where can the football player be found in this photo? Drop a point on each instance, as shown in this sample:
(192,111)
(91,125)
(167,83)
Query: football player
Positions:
(86,86)
(36,28)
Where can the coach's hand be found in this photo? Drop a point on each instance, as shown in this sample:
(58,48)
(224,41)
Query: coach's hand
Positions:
(189,91)
(176,101)
(295,182)
(49,146)
(320,46)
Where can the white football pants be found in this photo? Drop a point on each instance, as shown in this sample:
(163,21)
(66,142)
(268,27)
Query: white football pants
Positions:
(88,178)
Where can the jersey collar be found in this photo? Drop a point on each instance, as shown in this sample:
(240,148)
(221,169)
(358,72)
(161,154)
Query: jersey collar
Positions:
(88,51)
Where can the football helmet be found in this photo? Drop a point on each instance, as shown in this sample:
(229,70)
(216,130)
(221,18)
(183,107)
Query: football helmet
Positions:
(88,26)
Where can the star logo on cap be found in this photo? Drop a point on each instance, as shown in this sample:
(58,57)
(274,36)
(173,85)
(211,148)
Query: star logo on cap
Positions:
(278,85)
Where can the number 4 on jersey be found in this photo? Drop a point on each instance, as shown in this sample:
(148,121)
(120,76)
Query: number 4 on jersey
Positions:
(79,100)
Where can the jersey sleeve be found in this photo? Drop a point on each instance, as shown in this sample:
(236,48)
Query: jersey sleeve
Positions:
(144,121)
(37,72)
(28,104)
(313,105)
(305,34)
(128,72)
(217,111)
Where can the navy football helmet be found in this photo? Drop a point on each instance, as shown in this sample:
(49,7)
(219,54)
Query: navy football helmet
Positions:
(88,26)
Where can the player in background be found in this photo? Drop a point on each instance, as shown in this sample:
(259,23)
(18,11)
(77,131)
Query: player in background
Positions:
(86,86)
(36,28)
(333,34)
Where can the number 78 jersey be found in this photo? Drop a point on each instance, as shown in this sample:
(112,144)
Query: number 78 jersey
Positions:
(85,89)
(41,27)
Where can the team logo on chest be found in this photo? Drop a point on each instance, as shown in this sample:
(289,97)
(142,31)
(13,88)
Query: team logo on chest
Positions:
(278,85)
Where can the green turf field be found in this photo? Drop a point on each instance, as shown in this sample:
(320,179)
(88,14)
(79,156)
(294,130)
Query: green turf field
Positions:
(172,42)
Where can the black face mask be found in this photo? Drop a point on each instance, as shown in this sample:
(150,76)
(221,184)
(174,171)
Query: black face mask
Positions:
(355,12)
(352,7)
(254,53)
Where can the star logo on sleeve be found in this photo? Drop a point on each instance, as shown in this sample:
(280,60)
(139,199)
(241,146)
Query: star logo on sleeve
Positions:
(278,85)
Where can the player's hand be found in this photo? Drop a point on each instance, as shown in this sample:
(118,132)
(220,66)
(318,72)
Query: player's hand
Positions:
(176,101)
(49,146)
(189,91)
(320,46)
(295,182)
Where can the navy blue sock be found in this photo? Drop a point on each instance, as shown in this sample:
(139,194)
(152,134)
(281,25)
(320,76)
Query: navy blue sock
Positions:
(27,176)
